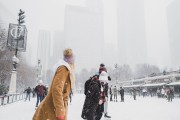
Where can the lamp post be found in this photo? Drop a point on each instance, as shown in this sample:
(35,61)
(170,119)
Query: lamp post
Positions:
(12,88)
(116,69)
(39,71)
(16,36)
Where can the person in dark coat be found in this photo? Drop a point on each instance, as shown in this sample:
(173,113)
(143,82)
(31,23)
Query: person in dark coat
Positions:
(28,93)
(169,93)
(87,85)
(134,93)
(92,92)
(33,92)
(122,94)
(70,96)
(111,93)
(40,91)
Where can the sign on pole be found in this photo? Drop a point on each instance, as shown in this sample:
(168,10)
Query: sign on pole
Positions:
(17,37)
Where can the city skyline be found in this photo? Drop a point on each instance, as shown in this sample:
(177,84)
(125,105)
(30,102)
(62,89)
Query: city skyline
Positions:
(153,32)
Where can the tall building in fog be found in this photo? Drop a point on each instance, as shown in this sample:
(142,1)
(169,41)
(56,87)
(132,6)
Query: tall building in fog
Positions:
(58,43)
(84,32)
(132,48)
(173,17)
(44,51)
(50,50)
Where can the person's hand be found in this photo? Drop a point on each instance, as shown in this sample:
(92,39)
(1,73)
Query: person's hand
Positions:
(60,117)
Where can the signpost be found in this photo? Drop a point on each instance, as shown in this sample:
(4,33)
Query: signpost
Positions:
(17,37)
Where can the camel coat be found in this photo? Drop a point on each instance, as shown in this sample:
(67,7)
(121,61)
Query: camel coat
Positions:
(56,102)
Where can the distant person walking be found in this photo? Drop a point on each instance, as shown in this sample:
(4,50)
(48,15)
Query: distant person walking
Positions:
(158,92)
(111,93)
(122,94)
(33,92)
(28,93)
(40,91)
(162,92)
(134,93)
(70,96)
(144,92)
(169,93)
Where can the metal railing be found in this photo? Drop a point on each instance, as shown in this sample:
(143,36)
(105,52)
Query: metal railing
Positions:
(11,98)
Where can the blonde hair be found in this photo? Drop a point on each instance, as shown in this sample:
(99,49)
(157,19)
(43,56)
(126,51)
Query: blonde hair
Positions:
(68,52)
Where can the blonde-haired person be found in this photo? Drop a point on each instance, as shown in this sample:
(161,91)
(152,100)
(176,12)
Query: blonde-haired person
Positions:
(55,105)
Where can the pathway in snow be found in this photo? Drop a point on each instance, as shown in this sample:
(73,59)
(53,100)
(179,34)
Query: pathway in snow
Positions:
(141,109)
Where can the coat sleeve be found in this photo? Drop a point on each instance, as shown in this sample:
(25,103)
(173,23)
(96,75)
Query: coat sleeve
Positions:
(86,86)
(57,90)
(96,94)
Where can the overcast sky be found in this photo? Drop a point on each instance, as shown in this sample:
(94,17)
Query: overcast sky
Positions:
(49,15)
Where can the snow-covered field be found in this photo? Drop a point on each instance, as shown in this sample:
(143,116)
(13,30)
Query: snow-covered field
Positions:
(141,109)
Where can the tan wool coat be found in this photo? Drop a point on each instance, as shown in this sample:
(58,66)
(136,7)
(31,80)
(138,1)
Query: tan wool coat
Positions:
(56,102)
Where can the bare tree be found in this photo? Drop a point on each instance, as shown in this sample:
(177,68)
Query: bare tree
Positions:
(26,75)
(125,72)
(3,39)
(143,70)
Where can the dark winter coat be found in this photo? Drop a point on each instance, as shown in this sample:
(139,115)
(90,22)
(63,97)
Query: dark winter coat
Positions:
(40,90)
(134,92)
(86,86)
(28,90)
(106,89)
(92,92)
(121,92)
(110,91)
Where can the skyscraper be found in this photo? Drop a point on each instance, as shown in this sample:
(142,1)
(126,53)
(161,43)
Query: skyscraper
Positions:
(173,18)
(44,50)
(131,32)
(84,32)
(58,45)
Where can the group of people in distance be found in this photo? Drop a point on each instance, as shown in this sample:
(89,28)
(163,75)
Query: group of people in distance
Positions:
(114,92)
(96,92)
(40,90)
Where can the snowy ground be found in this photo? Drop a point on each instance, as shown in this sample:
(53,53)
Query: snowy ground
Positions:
(141,109)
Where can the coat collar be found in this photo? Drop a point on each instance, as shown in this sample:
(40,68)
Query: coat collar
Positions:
(61,63)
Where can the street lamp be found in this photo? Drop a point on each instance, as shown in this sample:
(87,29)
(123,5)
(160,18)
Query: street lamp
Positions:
(39,71)
(12,87)
(16,41)
(116,68)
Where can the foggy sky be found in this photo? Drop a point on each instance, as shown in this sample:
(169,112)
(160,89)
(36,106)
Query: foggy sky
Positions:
(49,15)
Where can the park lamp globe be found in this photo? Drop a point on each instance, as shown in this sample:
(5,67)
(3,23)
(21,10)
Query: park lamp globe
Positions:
(15,59)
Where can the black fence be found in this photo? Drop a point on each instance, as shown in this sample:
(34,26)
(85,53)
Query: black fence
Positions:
(8,99)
